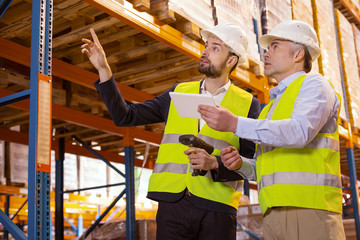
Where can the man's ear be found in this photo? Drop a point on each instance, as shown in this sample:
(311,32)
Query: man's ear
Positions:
(232,61)
(299,55)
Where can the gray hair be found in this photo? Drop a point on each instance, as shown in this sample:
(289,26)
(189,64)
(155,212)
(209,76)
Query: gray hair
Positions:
(307,58)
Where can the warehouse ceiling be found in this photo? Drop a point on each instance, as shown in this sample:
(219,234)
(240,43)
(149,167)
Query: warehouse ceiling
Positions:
(143,66)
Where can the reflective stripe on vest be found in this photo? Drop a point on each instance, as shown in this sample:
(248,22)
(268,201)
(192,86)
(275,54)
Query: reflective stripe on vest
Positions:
(303,178)
(307,177)
(170,167)
(316,143)
(172,173)
(183,169)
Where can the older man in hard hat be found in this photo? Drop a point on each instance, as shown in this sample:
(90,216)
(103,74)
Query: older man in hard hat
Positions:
(190,207)
(298,160)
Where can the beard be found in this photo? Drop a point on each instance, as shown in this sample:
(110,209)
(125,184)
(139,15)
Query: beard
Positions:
(210,70)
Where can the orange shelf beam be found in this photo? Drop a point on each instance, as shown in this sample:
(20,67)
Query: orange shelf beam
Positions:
(20,54)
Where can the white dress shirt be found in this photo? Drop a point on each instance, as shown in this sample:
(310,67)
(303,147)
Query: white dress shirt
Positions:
(218,96)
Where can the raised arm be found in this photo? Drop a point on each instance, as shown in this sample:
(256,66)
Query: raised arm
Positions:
(97,56)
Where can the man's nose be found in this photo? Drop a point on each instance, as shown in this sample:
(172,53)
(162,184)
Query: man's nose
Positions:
(266,53)
(205,52)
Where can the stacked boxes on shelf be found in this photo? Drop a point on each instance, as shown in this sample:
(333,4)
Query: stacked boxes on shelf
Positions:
(356,3)
(355,86)
(18,164)
(114,177)
(18,160)
(350,67)
(235,12)
(198,12)
(277,12)
(328,61)
(93,173)
(204,13)
(70,171)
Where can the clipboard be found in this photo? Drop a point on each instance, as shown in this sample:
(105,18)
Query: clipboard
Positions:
(187,104)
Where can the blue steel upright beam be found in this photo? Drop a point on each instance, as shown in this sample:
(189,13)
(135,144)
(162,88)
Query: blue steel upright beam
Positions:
(59,188)
(38,181)
(130,189)
(7,207)
(38,174)
(354,188)
(4,4)
(13,229)
(9,225)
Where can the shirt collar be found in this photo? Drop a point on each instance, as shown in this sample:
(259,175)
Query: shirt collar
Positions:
(224,88)
(280,88)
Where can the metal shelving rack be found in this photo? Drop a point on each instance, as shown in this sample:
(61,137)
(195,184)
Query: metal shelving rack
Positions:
(39,134)
(129,188)
(39,216)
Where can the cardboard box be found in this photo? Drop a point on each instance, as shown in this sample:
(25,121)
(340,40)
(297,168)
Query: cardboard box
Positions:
(92,173)
(19,163)
(116,230)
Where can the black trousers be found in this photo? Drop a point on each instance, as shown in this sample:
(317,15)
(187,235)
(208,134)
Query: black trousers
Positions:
(183,221)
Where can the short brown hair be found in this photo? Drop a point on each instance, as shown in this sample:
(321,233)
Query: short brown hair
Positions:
(307,60)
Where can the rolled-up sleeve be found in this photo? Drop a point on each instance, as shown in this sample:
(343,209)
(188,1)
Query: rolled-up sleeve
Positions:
(248,169)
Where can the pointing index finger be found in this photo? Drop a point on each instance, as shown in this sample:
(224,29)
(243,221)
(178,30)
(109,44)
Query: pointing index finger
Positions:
(94,36)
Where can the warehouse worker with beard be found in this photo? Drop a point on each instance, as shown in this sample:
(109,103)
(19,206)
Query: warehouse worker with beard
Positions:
(190,207)
(297,157)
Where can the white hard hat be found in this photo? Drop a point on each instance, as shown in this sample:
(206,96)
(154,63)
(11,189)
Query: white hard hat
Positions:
(232,36)
(296,31)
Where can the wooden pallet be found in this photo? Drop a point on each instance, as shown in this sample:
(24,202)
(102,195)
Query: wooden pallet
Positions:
(349,10)
(355,131)
(254,66)
(344,123)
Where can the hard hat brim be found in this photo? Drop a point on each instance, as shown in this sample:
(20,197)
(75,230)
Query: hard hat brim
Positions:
(239,50)
(205,34)
(266,40)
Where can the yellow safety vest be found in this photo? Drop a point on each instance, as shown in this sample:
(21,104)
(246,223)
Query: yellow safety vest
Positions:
(172,172)
(307,177)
